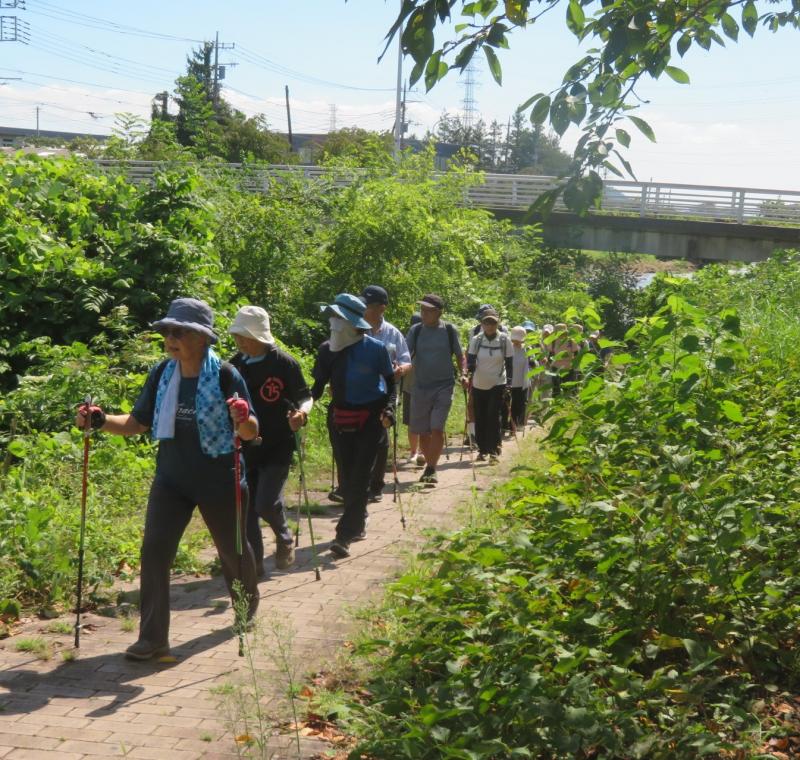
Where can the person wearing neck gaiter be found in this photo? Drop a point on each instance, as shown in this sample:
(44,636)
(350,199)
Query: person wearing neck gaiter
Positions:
(363,396)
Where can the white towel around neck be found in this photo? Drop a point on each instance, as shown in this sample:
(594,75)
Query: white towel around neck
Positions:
(169,406)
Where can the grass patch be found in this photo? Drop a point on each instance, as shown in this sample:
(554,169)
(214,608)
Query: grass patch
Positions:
(34,645)
(60,626)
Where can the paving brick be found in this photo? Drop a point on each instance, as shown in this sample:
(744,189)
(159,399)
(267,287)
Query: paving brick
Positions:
(40,754)
(103,705)
(11,739)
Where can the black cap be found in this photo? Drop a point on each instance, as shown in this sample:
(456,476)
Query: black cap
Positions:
(374,294)
(432,300)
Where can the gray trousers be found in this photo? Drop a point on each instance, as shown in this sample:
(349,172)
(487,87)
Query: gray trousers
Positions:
(266,484)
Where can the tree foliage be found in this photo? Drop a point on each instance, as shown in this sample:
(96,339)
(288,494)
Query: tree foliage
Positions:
(634,39)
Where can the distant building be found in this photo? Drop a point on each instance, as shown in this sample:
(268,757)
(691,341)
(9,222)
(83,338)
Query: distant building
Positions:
(11,137)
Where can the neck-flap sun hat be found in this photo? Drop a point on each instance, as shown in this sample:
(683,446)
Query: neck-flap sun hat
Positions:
(253,322)
(349,307)
(191,313)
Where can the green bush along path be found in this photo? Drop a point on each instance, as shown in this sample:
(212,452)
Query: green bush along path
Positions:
(638,596)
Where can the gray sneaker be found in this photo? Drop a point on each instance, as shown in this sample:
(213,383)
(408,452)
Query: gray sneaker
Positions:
(284,555)
(340,548)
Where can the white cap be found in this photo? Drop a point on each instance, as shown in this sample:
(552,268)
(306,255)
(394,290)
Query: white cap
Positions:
(252,322)
(518,333)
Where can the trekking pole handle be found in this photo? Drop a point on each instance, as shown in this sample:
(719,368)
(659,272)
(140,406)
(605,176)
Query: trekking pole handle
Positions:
(87,424)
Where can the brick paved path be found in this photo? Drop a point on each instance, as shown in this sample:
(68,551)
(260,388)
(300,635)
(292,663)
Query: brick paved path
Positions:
(101,705)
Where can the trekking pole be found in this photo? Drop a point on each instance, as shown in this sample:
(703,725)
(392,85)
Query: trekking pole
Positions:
(511,420)
(87,433)
(466,428)
(237,476)
(396,498)
(300,458)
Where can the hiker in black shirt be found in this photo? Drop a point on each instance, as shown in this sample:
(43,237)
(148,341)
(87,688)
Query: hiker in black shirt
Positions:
(282,401)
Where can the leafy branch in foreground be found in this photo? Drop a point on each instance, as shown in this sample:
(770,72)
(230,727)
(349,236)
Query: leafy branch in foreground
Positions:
(597,93)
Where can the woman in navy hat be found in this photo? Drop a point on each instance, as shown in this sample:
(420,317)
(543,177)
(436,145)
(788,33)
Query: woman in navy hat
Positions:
(361,376)
(188,403)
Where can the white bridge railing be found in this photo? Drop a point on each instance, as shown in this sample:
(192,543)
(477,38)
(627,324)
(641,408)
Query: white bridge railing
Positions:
(516,192)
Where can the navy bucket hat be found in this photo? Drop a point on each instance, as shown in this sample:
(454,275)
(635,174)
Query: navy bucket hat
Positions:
(349,307)
(191,313)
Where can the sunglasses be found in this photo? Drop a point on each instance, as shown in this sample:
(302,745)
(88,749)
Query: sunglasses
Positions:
(174,332)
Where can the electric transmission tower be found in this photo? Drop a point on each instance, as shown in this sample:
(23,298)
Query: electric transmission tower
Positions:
(13,28)
(332,121)
(469,110)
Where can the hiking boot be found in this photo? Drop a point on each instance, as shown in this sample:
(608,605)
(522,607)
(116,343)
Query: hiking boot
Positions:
(429,478)
(493,458)
(374,498)
(420,460)
(336,496)
(146,650)
(340,548)
(359,536)
(284,555)
(261,570)
(480,458)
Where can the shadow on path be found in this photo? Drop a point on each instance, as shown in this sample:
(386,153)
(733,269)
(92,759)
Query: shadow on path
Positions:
(100,676)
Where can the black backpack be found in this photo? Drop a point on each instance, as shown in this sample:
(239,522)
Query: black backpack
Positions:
(452,337)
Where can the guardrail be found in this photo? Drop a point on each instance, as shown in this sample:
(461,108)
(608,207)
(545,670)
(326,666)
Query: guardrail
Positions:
(516,192)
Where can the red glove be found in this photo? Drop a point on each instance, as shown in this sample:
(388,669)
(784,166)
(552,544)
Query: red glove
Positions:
(97,417)
(239,409)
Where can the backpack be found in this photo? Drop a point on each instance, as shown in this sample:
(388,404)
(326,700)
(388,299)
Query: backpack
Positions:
(503,348)
(452,338)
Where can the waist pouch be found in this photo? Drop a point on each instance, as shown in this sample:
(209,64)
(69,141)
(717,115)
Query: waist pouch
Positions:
(350,420)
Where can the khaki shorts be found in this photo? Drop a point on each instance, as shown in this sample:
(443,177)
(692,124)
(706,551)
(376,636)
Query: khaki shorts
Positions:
(429,408)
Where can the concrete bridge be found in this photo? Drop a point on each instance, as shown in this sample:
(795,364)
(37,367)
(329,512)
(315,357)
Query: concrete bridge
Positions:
(669,220)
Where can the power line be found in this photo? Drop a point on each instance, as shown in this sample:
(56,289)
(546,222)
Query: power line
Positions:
(259,60)
(53,11)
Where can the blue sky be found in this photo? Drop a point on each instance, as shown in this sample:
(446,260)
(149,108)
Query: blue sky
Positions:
(736,124)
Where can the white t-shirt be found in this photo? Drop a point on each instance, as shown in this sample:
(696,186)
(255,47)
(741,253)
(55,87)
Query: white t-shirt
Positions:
(490,366)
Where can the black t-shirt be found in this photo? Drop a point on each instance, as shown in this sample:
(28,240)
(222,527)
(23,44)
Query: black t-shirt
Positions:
(181,461)
(276,385)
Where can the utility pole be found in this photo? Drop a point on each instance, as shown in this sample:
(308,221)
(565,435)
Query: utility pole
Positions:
(218,69)
(403,124)
(12,28)
(37,120)
(289,120)
(398,128)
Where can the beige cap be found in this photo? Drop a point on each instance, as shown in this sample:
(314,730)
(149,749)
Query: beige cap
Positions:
(518,333)
(252,322)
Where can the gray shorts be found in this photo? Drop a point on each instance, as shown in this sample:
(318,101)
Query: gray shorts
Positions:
(429,408)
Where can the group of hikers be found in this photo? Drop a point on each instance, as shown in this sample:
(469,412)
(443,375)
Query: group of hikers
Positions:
(201,409)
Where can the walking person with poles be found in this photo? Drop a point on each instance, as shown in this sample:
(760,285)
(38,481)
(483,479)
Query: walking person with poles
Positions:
(189,404)
(489,362)
(433,343)
(520,381)
(376,300)
(361,377)
(282,402)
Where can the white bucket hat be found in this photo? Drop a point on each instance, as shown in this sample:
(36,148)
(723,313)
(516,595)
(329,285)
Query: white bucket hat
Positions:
(518,333)
(252,322)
